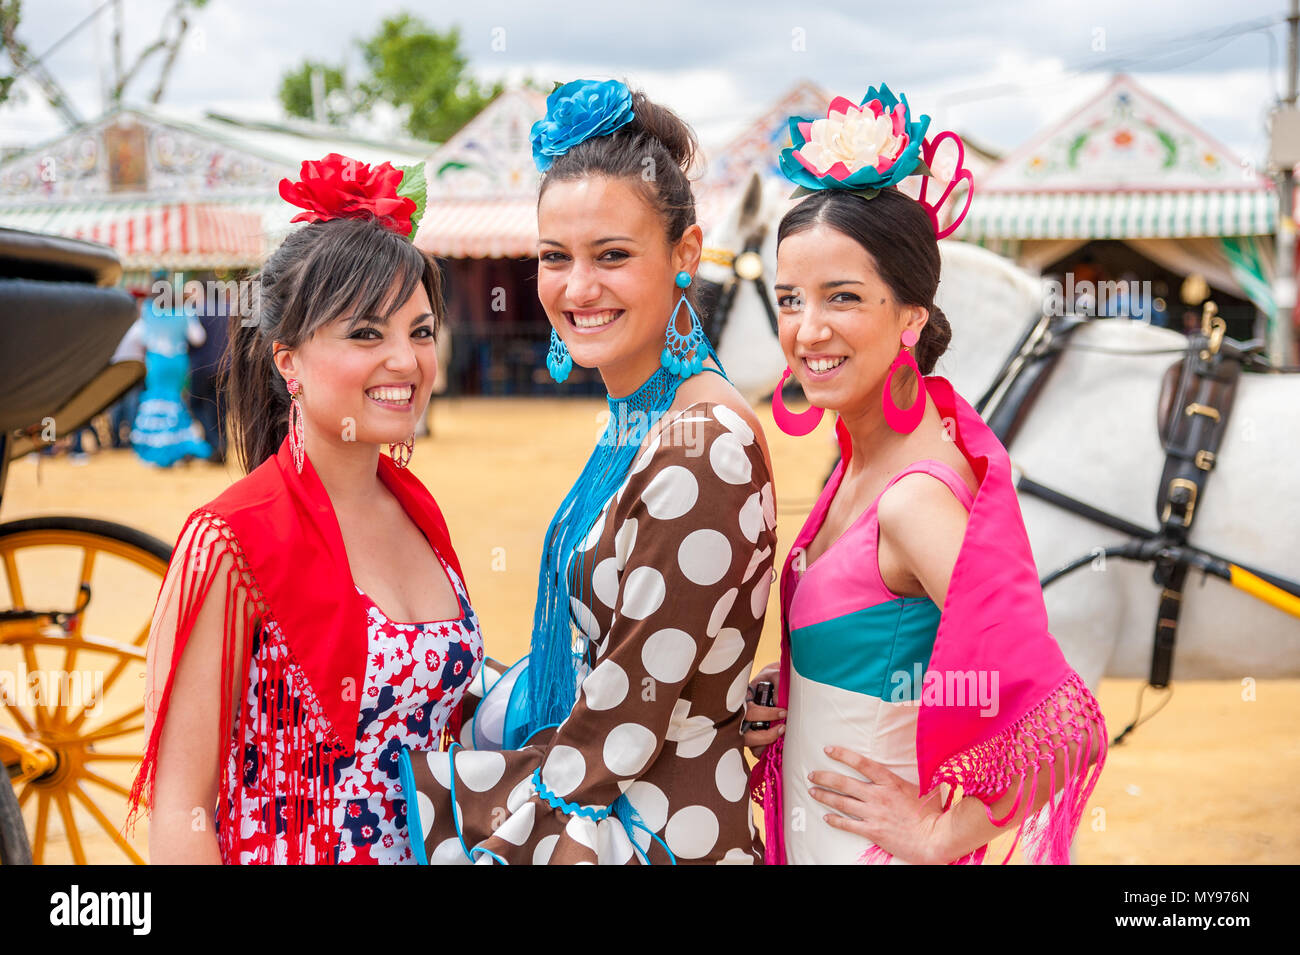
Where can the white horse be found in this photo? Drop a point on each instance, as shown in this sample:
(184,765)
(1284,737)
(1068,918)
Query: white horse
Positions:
(747,346)
(1091,433)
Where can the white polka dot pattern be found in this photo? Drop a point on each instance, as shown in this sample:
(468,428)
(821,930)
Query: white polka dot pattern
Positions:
(725,650)
(720,611)
(563,770)
(729,461)
(480,771)
(751,517)
(668,655)
(606,687)
(672,595)
(731,777)
(627,747)
(604,581)
(692,832)
(672,493)
(643,593)
(704,556)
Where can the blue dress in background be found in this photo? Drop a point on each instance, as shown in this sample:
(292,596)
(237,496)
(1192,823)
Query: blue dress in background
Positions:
(164,431)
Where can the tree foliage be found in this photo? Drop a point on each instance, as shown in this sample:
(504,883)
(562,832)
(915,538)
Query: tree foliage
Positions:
(296,95)
(408,65)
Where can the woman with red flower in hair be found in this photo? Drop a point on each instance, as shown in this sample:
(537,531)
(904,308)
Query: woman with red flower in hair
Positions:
(314,619)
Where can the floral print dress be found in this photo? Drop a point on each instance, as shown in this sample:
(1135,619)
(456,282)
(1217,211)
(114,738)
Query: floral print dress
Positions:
(416,676)
(678,568)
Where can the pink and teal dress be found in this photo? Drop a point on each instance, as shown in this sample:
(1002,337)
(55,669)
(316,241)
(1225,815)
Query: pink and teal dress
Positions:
(858,655)
(853,654)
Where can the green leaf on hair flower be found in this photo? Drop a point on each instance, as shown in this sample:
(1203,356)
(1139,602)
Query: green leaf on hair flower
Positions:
(414,187)
(801,191)
(922,169)
(866,193)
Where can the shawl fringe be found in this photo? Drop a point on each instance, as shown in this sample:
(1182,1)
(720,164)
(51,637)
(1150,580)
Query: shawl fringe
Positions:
(290,768)
(1068,716)
(765,790)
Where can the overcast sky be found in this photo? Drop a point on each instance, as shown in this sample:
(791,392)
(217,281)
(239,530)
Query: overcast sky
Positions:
(996,70)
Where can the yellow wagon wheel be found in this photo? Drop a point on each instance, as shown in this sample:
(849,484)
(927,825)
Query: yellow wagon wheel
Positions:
(76,601)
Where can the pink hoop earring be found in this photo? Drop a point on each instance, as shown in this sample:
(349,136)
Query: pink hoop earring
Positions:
(904,420)
(295,423)
(402,452)
(796,425)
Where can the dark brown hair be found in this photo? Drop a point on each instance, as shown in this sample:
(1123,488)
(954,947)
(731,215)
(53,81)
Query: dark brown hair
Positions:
(654,151)
(343,268)
(895,231)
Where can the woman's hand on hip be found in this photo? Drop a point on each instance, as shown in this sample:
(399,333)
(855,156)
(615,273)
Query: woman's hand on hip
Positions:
(881,806)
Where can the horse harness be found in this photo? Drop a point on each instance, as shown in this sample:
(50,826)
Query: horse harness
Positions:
(716,298)
(1195,404)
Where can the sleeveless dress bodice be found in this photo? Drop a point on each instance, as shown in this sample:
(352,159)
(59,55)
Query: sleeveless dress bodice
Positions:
(858,657)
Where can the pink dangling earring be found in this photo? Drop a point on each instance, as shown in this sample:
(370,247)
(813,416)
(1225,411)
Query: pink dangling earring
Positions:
(793,424)
(295,423)
(401,453)
(904,420)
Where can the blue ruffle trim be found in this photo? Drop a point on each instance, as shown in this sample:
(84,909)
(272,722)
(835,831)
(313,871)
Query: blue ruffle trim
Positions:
(414,830)
(569,808)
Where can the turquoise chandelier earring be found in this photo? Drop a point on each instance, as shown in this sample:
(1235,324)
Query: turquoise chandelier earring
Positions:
(683,355)
(558,362)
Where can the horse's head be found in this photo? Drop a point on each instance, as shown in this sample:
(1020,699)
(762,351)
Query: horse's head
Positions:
(736,277)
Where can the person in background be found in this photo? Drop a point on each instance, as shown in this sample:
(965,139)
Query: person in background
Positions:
(163,433)
(204,361)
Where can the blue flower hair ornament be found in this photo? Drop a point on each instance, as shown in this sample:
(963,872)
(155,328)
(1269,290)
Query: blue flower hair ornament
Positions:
(576,112)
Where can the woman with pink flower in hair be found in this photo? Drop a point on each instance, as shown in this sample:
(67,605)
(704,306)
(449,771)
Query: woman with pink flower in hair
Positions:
(916,659)
(314,618)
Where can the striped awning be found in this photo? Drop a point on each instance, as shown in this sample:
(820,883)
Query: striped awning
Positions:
(507,228)
(1120,215)
(145,235)
(480,229)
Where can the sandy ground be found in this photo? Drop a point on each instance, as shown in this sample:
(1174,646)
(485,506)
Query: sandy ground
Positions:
(1204,781)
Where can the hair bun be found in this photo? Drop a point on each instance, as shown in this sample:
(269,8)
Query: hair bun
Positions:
(661,123)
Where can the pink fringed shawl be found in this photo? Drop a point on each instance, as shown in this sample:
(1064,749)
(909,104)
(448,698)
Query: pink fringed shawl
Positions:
(994,619)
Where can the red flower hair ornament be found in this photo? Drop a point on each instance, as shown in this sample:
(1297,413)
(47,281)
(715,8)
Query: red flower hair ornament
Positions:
(338,187)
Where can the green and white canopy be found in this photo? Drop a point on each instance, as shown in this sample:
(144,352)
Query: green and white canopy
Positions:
(1126,167)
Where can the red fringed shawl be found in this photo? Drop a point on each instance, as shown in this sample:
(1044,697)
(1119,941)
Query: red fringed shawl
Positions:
(993,619)
(288,576)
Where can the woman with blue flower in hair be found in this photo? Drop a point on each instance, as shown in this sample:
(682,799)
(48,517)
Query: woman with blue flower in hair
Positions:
(616,739)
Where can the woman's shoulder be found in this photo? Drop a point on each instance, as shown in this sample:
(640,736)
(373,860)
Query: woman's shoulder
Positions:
(705,459)
(707,388)
(707,437)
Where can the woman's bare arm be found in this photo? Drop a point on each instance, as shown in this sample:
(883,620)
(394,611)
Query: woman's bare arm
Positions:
(190,751)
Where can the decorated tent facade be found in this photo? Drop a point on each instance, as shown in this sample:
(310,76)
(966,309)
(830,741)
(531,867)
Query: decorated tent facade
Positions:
(173,193)
(1127,184)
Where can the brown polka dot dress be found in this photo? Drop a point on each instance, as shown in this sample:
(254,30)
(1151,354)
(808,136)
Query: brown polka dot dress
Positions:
(679,566)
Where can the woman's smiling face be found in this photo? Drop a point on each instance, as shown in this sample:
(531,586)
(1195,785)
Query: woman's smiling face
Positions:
(367,379)
(605,275)
(840,325)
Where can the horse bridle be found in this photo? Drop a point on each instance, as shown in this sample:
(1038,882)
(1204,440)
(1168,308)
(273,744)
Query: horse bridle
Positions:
(716,298)
(1200,412)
